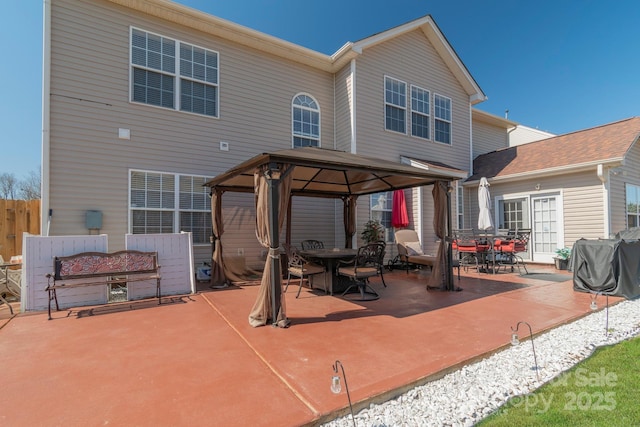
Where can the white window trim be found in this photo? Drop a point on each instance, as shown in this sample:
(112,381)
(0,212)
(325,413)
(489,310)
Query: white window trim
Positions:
(384,112)
(293,135)
(176,74)
(450,143)
(460,206)
(627,186)
(428,115)
(176,203)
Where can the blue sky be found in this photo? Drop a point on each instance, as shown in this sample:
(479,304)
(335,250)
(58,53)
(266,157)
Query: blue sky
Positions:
(556,65)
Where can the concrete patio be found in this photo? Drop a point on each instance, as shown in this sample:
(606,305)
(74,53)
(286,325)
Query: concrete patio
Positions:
(194,360)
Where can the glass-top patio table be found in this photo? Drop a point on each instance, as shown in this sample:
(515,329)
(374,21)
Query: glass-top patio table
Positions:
(329,258)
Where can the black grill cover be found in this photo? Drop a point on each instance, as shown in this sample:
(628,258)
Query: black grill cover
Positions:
(611,267)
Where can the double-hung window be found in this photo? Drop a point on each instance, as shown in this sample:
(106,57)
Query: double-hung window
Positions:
(420,112)
(381,204)
(306,121)
(169,203)
(172,74)
(442,119)
(395,104)
(633,205)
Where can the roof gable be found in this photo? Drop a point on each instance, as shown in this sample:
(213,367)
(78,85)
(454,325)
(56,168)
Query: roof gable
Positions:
(431,30)
(603,144)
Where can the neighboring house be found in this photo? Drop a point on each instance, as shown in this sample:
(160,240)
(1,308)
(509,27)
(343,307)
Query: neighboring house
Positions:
(144,101)
(583,184)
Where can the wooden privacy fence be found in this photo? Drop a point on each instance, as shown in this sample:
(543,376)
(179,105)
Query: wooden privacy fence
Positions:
(17,217)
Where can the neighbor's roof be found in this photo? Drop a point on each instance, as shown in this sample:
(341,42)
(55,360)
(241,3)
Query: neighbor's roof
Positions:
(228,30)
(604,144)
(321,172)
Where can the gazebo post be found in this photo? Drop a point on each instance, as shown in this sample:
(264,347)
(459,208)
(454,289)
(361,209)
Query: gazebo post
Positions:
(273,184)
(447,241)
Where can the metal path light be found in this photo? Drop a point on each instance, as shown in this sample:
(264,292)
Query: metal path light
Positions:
(336,388)
(515,341)
(594,307)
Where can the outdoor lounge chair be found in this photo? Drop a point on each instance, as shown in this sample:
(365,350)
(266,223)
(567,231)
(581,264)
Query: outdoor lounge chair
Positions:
(410,251)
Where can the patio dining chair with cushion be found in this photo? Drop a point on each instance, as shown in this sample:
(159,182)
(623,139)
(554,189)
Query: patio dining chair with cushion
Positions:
(509,248)
(468,252)
(365,265)
(300,267)
(311,244)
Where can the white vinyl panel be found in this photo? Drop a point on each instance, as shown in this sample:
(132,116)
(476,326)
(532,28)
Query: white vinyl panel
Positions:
(174,258)
(38,261)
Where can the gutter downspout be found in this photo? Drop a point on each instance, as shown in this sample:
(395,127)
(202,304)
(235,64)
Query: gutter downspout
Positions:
(45,211)
(354,239)
(604,177)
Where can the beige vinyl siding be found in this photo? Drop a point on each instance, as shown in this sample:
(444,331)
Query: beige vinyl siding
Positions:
(583,207)
(344,105)
(582,198)
(628,174)
(412,59)
(488,138)
(90,102)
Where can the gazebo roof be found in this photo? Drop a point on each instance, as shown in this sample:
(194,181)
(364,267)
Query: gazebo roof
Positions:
(322,172)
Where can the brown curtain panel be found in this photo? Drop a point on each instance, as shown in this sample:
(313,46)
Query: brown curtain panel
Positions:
(218,277)
(349,218)
(262,309)
(439,275)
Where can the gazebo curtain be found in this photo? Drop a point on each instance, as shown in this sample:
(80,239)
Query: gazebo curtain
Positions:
(440,276)
(280,179)
(349,218)
(218,277)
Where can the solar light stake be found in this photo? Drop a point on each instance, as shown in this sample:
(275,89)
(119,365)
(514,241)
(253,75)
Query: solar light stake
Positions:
(516,341)
(594,306)
(336,388)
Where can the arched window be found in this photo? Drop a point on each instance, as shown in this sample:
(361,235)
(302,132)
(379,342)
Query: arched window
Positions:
(305,115)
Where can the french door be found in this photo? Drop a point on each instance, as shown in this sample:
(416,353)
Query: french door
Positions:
(547,227)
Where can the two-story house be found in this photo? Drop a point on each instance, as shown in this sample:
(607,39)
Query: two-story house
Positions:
(145,101)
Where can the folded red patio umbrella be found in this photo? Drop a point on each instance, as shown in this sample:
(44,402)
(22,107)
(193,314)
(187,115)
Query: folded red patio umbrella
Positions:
(399,217)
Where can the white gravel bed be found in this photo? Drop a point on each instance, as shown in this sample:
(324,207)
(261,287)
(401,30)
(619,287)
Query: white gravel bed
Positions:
(468,395)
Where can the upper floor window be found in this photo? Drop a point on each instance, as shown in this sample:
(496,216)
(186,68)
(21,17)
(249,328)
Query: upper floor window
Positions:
(442,116)
(169,203)
(161,77)
(420,112)
(305,121)
(395,101)
(633,206)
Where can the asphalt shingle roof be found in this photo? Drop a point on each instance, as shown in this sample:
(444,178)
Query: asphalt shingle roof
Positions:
(599,144)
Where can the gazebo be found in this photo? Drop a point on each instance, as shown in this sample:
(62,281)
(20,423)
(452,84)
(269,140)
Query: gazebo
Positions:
(275,177)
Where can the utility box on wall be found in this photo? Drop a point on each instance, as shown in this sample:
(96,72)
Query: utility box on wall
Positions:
(94,220)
